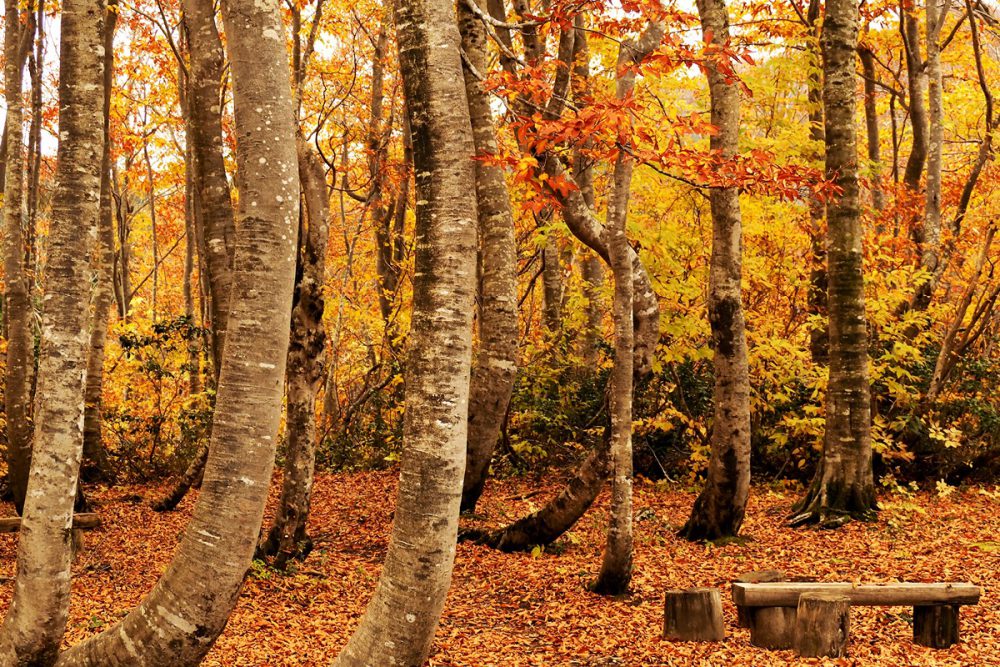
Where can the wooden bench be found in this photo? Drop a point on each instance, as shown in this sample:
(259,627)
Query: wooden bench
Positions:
(771,607)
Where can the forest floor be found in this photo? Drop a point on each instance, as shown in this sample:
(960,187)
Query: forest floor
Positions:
(523,609)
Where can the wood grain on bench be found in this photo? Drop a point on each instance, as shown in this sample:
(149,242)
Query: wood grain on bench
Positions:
(786,594)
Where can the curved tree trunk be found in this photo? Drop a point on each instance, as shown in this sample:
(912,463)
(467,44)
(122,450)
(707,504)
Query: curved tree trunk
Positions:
(95,458)
(36,619)
(287,537)
(17,304)
(215,200)
(718,511)
(496,358)
(186,611)
(398,626)
(843,487)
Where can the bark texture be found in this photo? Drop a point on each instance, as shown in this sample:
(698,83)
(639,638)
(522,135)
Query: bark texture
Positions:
(398,626)
(36,619)
(186,611)
(718,511)
(495,363)
(304,374)
(17,303)
(843,487)
(95,459)
(616,566)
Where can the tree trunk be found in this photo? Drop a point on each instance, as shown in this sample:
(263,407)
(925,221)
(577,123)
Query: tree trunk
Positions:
(17,305)
(181,618)
(916,80)
(496,358)
(288,538)
(398,626)
(95,459)
(843,487)
(718,511)
(819,334)
(867,57)
(616,567)
(215,205)
(207,64)
(36,619)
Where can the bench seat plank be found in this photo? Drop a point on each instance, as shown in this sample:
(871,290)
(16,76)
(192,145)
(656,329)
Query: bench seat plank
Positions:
(786,594)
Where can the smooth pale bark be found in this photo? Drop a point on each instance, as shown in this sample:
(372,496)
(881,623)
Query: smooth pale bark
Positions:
(207,66)
(36,619)
(177,623)
(215,206)
(495,363)
(931,235)
(616,566)
(843,487)
(398,626)
(718,511)
(95,459)
(287,537)
(17,303)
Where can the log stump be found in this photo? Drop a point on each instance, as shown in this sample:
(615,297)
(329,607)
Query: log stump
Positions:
(772,627)
(823,625)
(693,615)
(755,577)
(935,626)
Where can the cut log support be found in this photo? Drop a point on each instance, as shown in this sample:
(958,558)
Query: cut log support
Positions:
(786,594)
(83,521)
(822,625)
(935,626)
(755,577)
(772,627)
(693,615)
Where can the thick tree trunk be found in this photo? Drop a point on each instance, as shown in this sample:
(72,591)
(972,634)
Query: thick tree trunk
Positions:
(616,566)
(398,626)
(17,303)
(718,511)
(36,619)
(95,458)
(495,364)
(186,611)
(288,538)
(843,487)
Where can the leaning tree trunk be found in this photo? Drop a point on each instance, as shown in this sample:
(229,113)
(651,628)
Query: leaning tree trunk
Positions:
(843,487)
(496,359)
(17,304)
(718,511)
(616,567)
(181,618)
(36,619)
(287,537)
(398,626)
(215,201)
(95,458)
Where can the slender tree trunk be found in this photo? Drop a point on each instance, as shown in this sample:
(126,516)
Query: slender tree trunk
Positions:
(552,280)
(916,78)
(819,335)
(616,567)
(398,627)
(288,538)
(843,487)
(181,618)
(867,57)
(96,465)
(931,235)
(215,206)
(495,363)
(36,619)
(17,305)
(718,511)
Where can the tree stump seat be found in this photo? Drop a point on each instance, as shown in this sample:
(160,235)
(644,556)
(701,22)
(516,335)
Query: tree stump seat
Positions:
(771,607)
